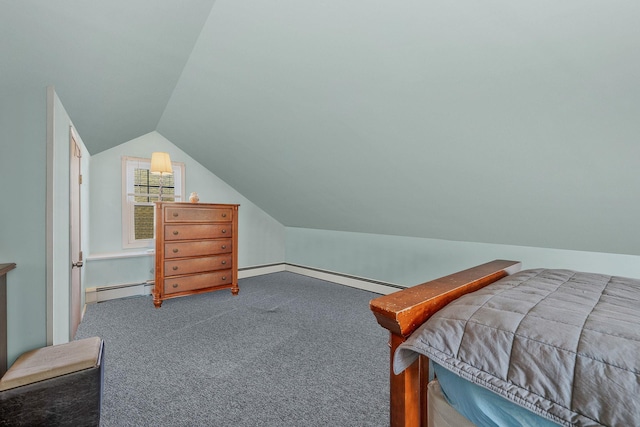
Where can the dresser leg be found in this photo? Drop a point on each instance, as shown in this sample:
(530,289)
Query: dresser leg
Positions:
(235,290)
(157,303)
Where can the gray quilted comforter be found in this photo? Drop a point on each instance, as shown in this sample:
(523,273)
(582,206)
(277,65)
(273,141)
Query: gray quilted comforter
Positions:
(562,344)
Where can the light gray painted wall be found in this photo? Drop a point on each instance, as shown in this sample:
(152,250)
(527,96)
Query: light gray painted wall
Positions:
(504,122)
(59,259)
(260,238)
(118,271)
(408,261)
(22,212)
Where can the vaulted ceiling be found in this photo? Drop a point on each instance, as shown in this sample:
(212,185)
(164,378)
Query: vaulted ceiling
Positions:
(491,121)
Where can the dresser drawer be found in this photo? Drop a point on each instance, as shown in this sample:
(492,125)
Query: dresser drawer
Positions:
(202,247)
(196,214)
(197,231)
(197,265)
(198,281)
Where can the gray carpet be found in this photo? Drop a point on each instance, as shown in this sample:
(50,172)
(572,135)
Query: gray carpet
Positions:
(287,351)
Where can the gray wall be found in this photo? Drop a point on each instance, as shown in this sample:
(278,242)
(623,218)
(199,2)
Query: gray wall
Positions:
(22,212)
(408,261)
(505,122)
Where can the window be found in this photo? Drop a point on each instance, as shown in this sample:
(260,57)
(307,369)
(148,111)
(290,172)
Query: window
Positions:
(140,189)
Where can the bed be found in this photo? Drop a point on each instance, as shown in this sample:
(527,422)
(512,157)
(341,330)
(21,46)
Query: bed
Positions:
(494,345)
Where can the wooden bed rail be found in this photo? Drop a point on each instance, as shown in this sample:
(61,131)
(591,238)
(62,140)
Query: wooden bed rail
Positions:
(404,311)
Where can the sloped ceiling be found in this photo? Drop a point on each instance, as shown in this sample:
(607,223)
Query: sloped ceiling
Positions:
(492,121)
(113,63)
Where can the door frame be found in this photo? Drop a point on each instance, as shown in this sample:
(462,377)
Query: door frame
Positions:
(75,233)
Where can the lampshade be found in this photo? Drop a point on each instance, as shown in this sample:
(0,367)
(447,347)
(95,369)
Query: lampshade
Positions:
(161,164)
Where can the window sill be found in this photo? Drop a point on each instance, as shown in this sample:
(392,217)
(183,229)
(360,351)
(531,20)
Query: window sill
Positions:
(116,255)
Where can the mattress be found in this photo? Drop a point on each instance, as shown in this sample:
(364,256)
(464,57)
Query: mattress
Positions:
(439,412)
(479,406)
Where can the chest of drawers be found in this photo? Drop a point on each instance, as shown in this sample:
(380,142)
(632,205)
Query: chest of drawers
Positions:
(196,249)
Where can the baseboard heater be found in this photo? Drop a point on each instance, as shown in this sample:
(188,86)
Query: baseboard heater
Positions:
(123,290)
(108,292)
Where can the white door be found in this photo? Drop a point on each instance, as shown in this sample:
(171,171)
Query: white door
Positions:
(75,179)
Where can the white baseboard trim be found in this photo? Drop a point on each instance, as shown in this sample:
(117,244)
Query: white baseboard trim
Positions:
(108,292)
(344,279)
(259,270)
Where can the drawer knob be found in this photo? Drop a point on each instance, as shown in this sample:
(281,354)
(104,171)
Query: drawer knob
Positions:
(224,215)
(175,285)
(175,233)
(224,262)
(175,267)
(224,246)
(175,251)
(224,231)
(175,214)
(224,277)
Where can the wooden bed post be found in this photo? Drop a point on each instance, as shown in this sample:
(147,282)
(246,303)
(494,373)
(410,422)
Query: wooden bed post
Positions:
(406,389)
(404,311)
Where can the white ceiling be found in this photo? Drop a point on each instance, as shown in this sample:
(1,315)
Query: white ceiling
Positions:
(492,121)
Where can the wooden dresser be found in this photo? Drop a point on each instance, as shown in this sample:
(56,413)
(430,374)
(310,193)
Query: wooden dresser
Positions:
(196,249)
